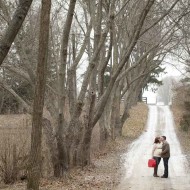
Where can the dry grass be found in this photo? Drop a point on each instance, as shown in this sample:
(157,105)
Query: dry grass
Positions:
(181,95)
(106,168)
(136,123)
(14,146)
(184,136)
(15,131)
(178,109)
(104,173)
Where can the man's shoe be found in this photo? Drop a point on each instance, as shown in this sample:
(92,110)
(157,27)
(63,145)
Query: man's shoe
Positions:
(155,175)
(164,176)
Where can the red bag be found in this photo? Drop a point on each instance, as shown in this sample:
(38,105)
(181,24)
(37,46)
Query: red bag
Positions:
(151,163)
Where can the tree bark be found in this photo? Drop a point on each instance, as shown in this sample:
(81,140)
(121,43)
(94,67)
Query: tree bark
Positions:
(83,156)
(35,159)
(63,161)
(13,28)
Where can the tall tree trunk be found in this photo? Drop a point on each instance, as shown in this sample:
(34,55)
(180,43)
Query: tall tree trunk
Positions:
(85,145)
(117,101)
(83,156)
(51,143)
(61,141)
(34,168)
(77,141)
(3,94)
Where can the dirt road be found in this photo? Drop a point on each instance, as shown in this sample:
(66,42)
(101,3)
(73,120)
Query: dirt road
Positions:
(138,176)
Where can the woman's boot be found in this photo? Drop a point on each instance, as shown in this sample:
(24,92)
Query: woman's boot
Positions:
(155,171)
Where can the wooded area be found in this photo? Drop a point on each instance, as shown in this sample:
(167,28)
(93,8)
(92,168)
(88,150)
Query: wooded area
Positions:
(72,64)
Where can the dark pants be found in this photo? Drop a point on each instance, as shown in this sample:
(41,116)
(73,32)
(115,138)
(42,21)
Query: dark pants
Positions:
(166,166)
(157,163)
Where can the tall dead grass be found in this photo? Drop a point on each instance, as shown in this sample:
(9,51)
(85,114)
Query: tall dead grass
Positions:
(15,137)
(136,123)
(14,147)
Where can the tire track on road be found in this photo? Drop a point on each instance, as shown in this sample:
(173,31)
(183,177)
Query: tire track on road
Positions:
(138,176)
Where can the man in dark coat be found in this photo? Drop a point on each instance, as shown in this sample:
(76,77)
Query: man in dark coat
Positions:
(165,154)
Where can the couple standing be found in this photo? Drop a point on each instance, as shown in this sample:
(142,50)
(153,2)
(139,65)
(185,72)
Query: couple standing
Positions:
(161,149)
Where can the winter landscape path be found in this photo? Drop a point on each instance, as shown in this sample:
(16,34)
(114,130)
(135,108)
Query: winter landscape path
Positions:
(138,176)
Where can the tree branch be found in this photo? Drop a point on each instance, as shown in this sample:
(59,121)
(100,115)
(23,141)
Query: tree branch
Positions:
(11,91)
(13,28)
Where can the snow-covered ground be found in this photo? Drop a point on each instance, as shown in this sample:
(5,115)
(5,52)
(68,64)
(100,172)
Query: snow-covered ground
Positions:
(138,176)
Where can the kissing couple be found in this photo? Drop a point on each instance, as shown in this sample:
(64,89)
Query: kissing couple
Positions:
(161,149)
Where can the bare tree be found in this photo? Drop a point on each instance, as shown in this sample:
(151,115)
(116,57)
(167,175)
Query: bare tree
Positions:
(119,45)
(34,168)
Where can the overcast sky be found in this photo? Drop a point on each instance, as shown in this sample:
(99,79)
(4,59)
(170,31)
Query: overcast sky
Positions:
(173,68)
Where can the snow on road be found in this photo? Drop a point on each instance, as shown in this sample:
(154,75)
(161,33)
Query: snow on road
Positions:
(138,176)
